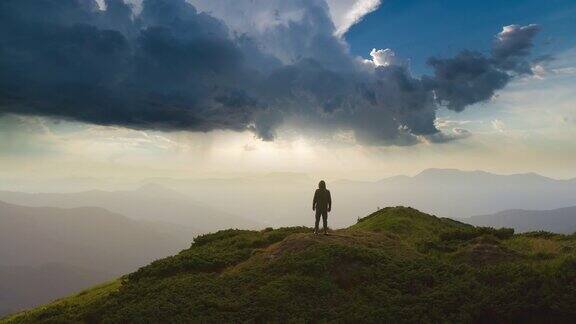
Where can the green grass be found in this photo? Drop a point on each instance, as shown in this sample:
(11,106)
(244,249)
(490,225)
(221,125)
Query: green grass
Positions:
(409,223)
(396,265)
(67,309)
(542,245)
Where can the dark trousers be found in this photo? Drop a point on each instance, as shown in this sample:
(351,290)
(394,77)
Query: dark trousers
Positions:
(324,214)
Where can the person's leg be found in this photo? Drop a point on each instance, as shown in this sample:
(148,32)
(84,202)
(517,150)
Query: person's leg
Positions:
(317,222)
(325,221)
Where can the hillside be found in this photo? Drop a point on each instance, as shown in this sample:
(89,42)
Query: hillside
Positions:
(395,265)
(561,220)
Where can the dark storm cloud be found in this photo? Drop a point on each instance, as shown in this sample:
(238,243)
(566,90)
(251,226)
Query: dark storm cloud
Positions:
(514,41)
(471,77)
(512,45)
(171,67)
(466,79)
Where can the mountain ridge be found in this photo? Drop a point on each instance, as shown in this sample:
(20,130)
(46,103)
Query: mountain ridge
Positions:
(559,220)
(448,172)
(150,202)
(38,235)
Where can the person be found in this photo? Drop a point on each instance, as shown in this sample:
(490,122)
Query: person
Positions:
(322,204)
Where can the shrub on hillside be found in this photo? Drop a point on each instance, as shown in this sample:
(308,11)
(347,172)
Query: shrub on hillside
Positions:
(465,234)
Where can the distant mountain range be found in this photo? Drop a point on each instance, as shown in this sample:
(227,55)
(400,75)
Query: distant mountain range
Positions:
(268,179)
(455,176)
(561,220)
(151,202)
(88,237)
(47,252)
(458,194)
(285,198)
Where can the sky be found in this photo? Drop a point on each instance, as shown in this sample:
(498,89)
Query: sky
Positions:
(359,89)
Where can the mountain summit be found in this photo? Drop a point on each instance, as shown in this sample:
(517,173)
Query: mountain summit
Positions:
(397,264)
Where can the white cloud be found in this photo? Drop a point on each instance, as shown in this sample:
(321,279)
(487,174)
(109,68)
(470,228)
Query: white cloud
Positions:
(239,15)
(538,71)
(444,123)
(498,125)
(382,57)
(101,4)
(385,57)
(346,13)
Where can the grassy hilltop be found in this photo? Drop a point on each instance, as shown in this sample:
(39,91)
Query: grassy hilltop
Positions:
(395,265)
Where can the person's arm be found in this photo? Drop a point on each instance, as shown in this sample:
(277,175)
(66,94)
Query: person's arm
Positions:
(329,201)
(315,200)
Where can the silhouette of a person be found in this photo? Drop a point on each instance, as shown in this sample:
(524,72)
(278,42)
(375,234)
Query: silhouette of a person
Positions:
(322,204)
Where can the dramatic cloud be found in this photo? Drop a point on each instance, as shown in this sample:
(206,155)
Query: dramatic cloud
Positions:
(238,65)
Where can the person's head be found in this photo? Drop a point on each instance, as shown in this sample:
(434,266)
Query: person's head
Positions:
(322,184)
